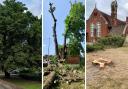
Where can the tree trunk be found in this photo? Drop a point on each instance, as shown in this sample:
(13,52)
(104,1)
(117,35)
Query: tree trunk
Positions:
(49,81)
(7,74)
(55,40)
(52,9)
(64,50)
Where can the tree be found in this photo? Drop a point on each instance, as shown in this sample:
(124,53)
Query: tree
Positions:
(20,31)
(75,29)
(51,10)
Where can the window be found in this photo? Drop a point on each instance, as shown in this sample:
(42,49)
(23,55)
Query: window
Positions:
(98,29)
(92,28)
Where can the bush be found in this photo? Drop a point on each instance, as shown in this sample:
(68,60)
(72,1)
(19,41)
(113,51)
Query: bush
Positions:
(94,47)
(112,41)
(30,74)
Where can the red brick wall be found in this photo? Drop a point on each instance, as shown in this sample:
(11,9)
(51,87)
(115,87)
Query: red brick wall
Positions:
(94,19)
(73,60)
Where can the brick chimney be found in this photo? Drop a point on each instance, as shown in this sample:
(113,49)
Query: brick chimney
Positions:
(114,7)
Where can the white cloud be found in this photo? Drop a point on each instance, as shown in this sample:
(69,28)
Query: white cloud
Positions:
(36,7)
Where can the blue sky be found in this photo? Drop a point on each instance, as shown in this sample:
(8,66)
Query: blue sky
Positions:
(105,6)
(35,6)
(62,10)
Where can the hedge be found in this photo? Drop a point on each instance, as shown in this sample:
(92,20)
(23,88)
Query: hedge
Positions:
(94,47)
(112,41)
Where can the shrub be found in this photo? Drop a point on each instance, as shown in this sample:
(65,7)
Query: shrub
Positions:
(30,74)
(94,47)
(112,41)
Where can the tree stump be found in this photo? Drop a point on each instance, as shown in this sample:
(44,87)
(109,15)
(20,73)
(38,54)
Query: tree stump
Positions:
(101,62)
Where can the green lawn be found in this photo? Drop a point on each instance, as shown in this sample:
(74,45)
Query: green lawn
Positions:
(25,84)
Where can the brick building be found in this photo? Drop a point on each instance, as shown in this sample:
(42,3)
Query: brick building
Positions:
(101,24)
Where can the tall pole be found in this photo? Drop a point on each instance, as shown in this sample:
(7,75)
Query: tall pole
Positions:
(48,44)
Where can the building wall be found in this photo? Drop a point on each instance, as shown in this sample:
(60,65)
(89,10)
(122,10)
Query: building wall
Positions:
(95,19)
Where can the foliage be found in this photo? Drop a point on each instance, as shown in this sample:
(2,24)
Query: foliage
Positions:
(112,41)
(94,47)
(53,59)
(31,74)
(20,36)
(75,29)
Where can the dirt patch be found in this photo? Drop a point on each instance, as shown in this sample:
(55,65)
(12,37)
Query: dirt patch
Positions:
(111,77)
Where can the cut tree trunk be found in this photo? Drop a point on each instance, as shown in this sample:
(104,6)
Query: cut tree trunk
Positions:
(101,62)
(51,10)
(64,50)
(49,81)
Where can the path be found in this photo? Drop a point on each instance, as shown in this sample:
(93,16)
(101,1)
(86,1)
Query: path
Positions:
(7,85)
(112,77)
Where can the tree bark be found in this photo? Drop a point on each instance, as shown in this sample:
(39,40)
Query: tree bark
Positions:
(52,9)
(65,49)
(7,74)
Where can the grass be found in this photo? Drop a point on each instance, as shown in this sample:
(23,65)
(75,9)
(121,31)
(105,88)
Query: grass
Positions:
(75,85)
(25,84)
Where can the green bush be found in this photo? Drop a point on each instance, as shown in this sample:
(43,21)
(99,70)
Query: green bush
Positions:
(30,74)
(94,47)
(112,41)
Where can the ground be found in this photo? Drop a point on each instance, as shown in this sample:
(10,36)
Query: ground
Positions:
(111,77)
(19,83)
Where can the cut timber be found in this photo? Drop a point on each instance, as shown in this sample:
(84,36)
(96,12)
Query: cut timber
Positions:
(49,81)
(102,62)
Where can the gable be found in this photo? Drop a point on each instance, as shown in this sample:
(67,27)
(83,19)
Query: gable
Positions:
(96,15)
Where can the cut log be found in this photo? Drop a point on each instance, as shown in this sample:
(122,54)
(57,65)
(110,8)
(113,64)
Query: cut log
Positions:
(49,81)
(46,73)
(102,62)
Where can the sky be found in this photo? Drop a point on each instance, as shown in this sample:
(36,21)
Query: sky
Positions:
(62,10)
(34,6)
(105,6)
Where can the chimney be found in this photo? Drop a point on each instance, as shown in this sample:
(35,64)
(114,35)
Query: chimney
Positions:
(114,7)
(115,22)
(126,20)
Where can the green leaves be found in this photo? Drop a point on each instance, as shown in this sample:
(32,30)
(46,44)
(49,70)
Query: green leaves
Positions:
(75,28)
(20,36)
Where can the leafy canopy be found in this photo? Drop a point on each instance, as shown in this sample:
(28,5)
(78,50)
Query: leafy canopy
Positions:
(75,28)
(20,36)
